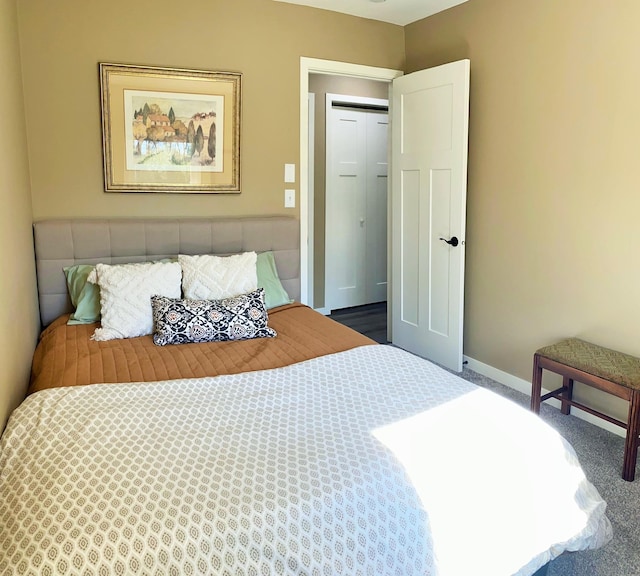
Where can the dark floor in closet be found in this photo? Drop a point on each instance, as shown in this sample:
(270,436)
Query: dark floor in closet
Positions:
(370,320)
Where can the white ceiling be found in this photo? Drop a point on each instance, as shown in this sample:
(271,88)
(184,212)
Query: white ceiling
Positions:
(401,12)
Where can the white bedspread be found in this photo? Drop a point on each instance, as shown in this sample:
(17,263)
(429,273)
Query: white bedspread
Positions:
(370,461)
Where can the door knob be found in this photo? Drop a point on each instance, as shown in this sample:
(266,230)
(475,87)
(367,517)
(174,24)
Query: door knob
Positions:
(452,242)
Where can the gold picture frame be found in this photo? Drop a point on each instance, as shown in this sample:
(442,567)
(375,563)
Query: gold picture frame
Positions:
(170,130)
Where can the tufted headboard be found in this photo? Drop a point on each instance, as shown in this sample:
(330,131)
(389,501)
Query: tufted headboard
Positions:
(61,243)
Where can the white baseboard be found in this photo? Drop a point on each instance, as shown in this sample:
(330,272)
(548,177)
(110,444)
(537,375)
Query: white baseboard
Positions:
(323,311)
(525,387)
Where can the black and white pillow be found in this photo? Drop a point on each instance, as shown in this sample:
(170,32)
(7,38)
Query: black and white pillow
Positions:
(239,318)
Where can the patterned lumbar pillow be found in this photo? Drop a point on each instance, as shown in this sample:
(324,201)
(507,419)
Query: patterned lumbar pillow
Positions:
(125,292)
(182,321)
(209,277)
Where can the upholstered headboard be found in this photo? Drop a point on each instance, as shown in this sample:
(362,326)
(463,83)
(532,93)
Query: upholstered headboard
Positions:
(61,243)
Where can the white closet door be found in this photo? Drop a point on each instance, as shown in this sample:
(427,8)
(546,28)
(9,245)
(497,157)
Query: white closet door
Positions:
(376,220)
(356,207)
(345,209)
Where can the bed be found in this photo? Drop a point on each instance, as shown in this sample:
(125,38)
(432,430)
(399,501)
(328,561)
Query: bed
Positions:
(316,451)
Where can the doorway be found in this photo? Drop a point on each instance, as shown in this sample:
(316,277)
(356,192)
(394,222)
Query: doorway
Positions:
(437,105)
(309,236)
(312,237)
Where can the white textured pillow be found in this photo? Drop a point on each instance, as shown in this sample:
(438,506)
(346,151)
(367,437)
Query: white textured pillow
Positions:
(210,277)
(125,296)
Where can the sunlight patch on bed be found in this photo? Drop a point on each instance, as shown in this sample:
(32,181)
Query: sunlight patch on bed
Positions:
(483,453)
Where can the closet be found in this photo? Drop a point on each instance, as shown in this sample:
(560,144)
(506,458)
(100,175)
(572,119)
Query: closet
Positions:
(356,201)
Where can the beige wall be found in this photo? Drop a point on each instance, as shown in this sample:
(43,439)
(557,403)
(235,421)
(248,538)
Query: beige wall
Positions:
(321,85)
(553,196)
(264,40)
(19,322)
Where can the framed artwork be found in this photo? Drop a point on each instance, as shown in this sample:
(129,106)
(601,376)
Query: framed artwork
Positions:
(170,130)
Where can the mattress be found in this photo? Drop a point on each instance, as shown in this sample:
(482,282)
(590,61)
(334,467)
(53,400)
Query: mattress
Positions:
(365,461)
(66,355)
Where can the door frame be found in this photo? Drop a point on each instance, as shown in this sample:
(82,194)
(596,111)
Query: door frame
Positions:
(332,68)
(311,118)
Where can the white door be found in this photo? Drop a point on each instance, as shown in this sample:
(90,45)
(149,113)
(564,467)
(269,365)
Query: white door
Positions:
(429,131)
(376,218)
(356,204)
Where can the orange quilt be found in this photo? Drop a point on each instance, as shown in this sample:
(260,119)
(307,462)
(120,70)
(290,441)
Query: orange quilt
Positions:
(66,355)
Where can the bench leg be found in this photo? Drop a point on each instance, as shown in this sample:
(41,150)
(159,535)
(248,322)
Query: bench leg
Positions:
(536,385)
(631,442)
(567,394)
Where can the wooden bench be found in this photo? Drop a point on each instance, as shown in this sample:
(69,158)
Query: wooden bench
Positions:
(598,367)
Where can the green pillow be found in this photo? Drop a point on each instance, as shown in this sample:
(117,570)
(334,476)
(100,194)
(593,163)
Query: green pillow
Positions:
(85,296)
(274,293)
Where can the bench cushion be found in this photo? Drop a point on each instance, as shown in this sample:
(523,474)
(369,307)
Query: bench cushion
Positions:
(611,365)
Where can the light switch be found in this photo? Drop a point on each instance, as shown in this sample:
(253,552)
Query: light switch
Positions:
(289,172)
(289,198)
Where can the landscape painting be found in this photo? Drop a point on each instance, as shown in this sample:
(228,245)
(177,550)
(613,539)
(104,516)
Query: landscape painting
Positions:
(166,131)
(170,129)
